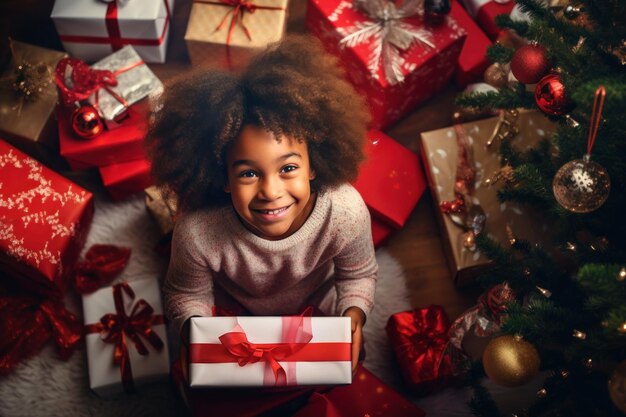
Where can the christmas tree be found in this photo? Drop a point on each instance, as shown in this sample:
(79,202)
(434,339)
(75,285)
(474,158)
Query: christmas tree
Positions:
(570,308)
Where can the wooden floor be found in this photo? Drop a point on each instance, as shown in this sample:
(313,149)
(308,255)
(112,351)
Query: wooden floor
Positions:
(417,246)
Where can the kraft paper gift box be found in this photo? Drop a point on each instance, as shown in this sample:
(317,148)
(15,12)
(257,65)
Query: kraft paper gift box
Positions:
(391,180)
(122,144)
(439,153)
(473,59)
(162,209)
(44,221)
(393,84)
(485,12)
(28,122)
(125,179)
(134,309)
(217,32)
(91,29)
(269,351)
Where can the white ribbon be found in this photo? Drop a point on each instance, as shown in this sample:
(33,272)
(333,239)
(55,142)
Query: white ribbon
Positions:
(389,35)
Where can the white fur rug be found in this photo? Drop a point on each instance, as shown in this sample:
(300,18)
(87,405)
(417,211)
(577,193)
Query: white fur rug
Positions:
(46,386)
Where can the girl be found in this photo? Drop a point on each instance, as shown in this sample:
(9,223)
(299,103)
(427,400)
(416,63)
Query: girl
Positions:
(260,163)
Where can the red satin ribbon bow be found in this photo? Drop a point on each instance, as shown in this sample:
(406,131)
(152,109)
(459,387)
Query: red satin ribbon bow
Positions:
(85,81)
(296,334)
(419,338)
(238,9)
(26,325)
(102,263)
(118,327)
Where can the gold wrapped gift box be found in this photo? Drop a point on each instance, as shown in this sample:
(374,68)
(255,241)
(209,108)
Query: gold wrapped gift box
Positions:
(439,154)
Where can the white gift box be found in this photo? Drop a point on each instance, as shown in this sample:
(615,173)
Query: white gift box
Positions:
(88,34)
(325,359)
(105,377)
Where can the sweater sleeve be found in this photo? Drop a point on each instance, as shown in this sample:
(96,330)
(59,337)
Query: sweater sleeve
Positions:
(188,288)
(356,270)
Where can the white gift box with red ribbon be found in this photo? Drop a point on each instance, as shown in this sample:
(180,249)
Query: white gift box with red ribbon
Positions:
(485,12)
(92,29)
(113,314)
(269,351)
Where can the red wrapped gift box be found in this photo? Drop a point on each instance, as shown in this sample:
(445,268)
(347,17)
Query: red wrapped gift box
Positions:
(485,12)
(366,396)
(420,341)
(380,232)
(122,144)
(473,60)
(425,70)
(44,220)
(391,180)
(124,179)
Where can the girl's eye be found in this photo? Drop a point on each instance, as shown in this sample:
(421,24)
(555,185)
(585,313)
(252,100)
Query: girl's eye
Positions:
(289,168)
(247,174)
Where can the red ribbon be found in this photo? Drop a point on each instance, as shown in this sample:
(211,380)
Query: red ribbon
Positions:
(115,38)
(596,117)
(118,327)
(26,325)
(86,81)
(102,263)
(238,10)
(419,338)
(295,346)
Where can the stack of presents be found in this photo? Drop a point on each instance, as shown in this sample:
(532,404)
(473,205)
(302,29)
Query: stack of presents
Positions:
(89,108)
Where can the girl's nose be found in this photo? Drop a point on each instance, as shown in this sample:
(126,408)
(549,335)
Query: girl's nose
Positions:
(270,189)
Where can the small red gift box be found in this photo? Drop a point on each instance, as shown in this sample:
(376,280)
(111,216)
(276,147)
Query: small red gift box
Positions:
(380,232)
(382,55)
(420,341)
(127,178)
(473,60)
(485,12)
(123,144)
(366,396)
(391,180)
(44,220)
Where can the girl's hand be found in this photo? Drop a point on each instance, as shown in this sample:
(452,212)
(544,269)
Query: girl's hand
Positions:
(358,319)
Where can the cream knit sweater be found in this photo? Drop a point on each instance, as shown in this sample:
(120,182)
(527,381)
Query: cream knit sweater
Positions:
(328,263)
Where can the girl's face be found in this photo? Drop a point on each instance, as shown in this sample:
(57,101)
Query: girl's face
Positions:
(269,182)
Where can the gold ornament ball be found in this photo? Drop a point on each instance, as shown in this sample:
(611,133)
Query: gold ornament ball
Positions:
(617,387)
(510,361)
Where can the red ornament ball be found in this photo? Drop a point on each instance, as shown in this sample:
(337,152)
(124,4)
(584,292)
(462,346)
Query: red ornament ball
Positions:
(86,122)
(551,97)
(530,63)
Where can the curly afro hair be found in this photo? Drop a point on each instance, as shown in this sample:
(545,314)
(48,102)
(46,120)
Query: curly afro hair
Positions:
(294,89)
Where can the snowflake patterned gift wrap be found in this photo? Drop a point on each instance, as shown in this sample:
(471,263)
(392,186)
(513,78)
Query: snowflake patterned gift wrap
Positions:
(439,154)
(390,54)
(125,337)
(269,351)
(44,220)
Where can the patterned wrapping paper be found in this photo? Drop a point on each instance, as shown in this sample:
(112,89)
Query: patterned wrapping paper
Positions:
(29,124)
(91,30)
(105,377)
(132,85)
(208,46)
(425,70)
(439,153)
(44,221)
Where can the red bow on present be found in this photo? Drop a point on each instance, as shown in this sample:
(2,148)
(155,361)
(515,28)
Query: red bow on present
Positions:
(238,9)
(102,263)
(118,327)
(26,325)
(419,338)
(296,335)
(85,81)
